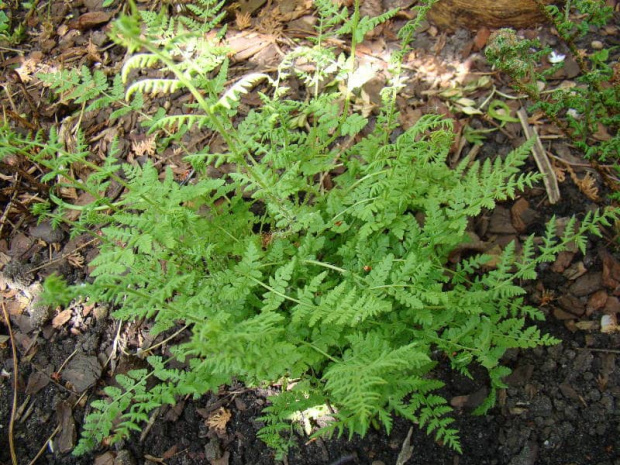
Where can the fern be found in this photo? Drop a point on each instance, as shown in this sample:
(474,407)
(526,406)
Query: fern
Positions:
(314,259)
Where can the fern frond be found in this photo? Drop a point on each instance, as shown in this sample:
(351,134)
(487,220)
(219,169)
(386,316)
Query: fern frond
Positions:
(138,61)
(153,86)
(241,87)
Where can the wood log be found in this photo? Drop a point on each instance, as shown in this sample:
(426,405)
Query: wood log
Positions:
(471,14)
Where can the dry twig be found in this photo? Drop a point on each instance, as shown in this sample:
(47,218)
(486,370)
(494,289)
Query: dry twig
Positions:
(14,404)
(550,180)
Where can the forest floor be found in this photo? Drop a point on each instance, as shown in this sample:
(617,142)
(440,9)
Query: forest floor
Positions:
(561,404)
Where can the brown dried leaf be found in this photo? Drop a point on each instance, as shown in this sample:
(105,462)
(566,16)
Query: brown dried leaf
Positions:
(243,20)
(560,173)
(36,382)
(587,185)
(218,421)
(92,51)
(76,260)
(146,146)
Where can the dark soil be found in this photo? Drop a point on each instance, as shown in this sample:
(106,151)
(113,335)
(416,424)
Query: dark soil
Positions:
(560,406)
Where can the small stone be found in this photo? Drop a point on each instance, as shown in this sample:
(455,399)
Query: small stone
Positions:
(597,45)
(571,68)
(609,324)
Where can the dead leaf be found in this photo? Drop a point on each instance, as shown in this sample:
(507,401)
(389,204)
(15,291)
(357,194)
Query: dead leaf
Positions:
(92,51)
(62,318)
(146,146)
(218,421)
(243,20)
(36,382)
(17,305)
(249,6)
(174,412)
(560,173)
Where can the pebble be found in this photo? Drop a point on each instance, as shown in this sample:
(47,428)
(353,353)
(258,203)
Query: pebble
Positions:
(596,45)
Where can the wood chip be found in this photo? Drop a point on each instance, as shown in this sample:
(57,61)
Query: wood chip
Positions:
(62,318)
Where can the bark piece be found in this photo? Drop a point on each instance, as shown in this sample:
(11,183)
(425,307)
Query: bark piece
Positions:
(451,14)
(586,284)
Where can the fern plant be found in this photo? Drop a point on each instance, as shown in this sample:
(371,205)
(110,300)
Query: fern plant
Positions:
(322,258)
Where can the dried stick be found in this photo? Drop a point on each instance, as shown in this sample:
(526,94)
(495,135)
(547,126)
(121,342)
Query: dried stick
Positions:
(550,180)
(14,405)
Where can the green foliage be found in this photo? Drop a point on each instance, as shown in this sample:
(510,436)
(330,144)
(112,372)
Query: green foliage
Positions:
(322,257)
(579,110)
(10,33)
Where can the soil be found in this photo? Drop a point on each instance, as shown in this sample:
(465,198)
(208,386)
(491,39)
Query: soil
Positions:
(560,404)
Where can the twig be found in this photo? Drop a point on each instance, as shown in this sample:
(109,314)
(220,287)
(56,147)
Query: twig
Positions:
(607,351)
(44,446)
(14,404)
(149,425)
(66,361)
(5,213)
(549,179)
(54,433)
(142,353)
